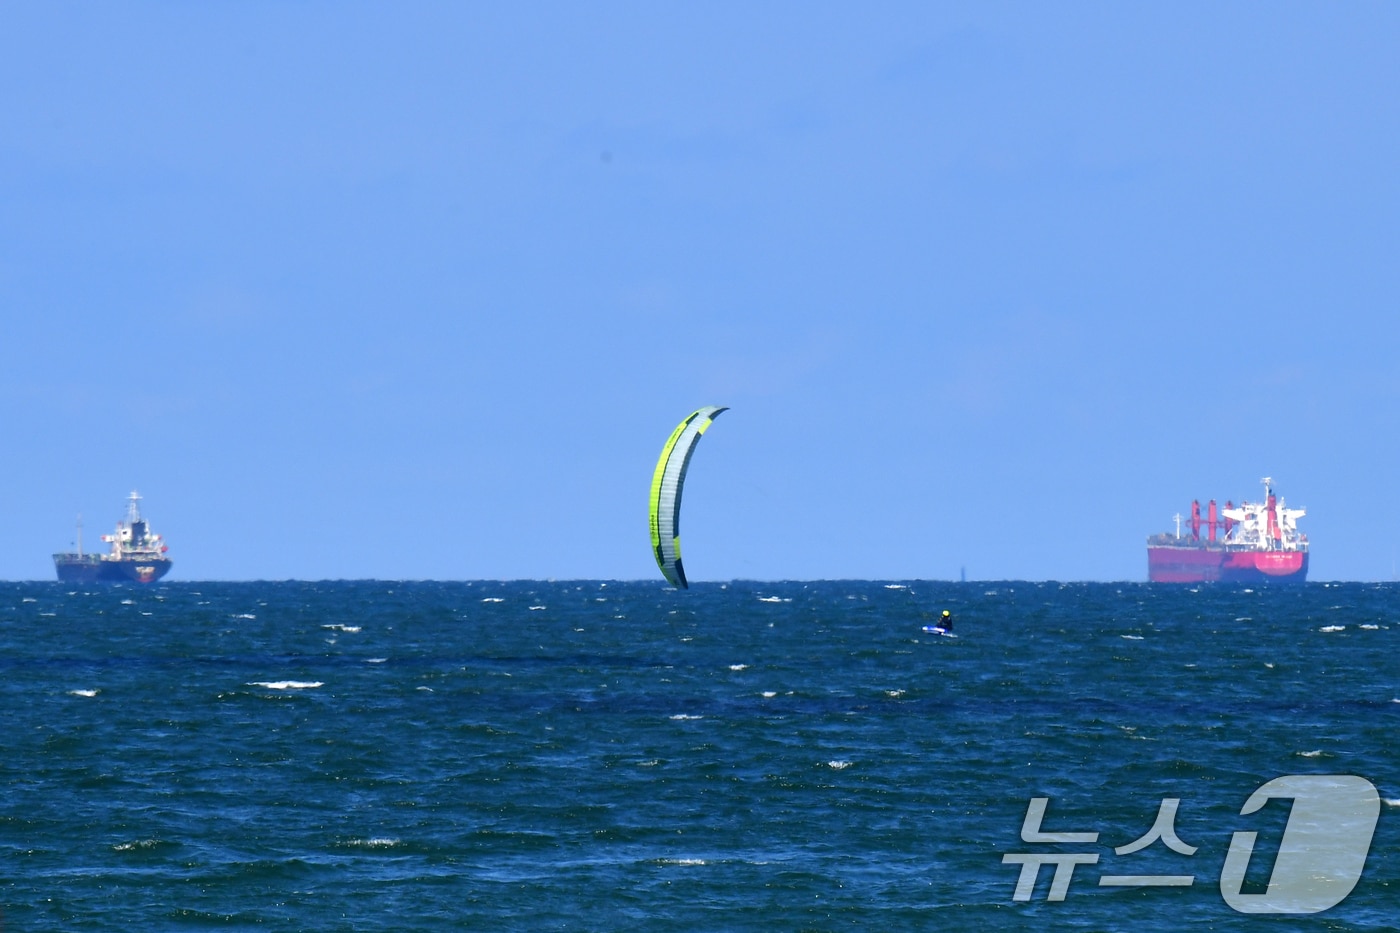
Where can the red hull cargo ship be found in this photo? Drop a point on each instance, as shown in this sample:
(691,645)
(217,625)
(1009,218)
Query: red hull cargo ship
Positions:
(1251,543)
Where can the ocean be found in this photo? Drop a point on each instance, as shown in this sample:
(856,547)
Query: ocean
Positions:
(605,756)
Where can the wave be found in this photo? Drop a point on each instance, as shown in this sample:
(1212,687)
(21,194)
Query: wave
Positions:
(140,845)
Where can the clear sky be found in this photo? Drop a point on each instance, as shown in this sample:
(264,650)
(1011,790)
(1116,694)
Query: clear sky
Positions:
(418,290)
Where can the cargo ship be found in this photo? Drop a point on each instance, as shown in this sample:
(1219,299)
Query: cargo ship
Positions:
(1251,543)
(136,555)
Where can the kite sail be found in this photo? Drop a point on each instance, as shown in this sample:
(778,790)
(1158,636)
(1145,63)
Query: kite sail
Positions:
(666,486)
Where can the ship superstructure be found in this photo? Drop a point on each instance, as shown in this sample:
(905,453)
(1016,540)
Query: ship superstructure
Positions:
(135,554)
(1251,543)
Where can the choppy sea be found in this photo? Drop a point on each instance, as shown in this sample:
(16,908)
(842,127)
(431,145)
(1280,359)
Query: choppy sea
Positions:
(601,756)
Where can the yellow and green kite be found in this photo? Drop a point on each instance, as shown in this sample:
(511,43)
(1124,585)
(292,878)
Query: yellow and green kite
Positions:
(666,486)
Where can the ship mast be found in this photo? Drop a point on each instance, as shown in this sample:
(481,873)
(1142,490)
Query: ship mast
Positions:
(133,514)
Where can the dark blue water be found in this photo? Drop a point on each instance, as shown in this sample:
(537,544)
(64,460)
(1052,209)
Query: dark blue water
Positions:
(622,756)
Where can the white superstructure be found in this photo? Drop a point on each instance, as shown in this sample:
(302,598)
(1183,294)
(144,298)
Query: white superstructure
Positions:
(1267,526)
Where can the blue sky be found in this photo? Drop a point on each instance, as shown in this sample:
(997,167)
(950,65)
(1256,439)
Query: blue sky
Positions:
(419,290)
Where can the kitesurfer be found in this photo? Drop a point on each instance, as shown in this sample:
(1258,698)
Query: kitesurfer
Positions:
(946,622)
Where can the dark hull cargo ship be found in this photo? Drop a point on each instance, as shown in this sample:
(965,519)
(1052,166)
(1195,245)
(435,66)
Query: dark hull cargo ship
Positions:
(136,555)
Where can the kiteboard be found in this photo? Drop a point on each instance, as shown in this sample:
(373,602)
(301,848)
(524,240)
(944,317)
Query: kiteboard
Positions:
(939,630)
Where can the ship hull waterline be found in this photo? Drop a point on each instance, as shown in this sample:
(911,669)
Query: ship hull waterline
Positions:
(75,569)
(1214,565)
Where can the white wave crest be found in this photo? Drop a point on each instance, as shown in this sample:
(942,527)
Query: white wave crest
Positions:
(136,845)
(376,842)
(82,693)
(287,684)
